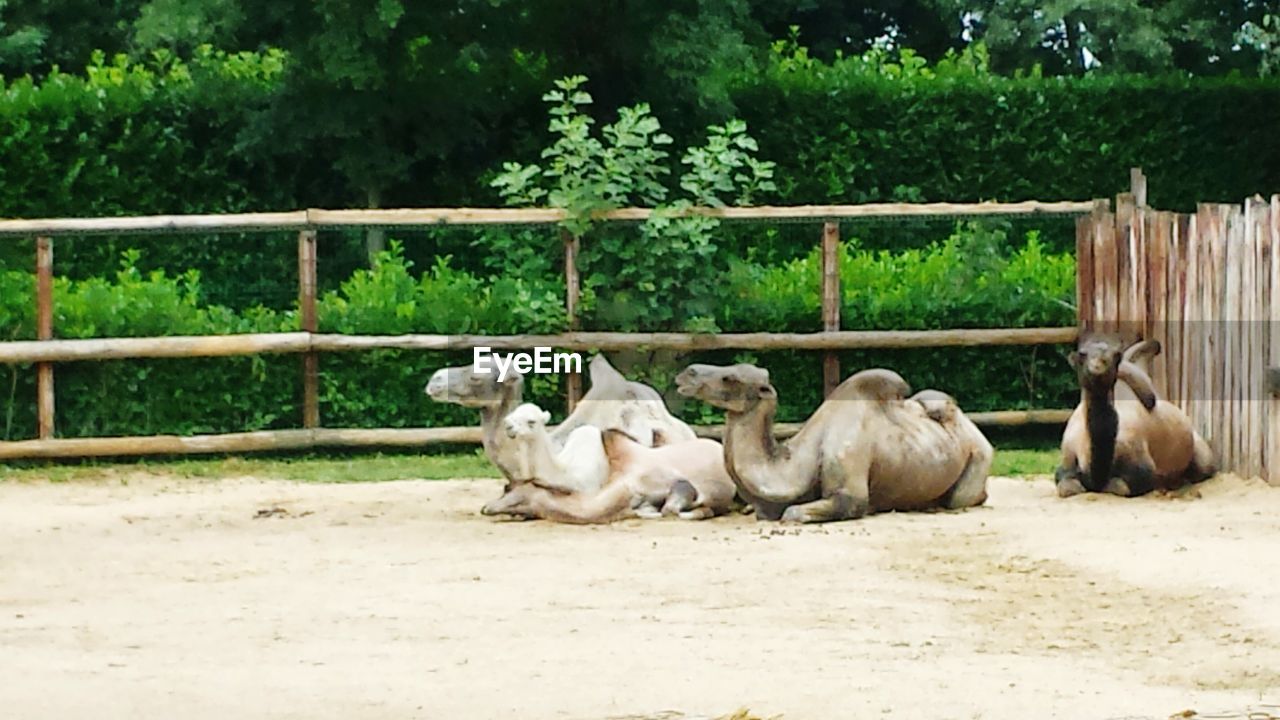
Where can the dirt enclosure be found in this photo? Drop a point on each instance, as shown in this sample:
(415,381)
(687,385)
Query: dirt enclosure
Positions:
(146,598)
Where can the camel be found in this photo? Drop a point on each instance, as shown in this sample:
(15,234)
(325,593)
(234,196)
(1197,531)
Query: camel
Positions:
(612,401)
(1122,438)
(685,479)
(581,466)
(866,449)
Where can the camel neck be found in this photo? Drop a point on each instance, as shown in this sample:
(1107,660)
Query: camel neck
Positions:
(1102,423)
(535,458)
(754,456)
(491,415)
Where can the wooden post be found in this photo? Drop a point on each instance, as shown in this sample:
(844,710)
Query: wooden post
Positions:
(1273,343)
(830,303)
(1126,210)
(44,331)
(309,324)
(573,382)
(1105,276)
(1138,186)
(1084,271)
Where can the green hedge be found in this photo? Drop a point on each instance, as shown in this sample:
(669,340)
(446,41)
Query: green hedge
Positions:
(842,134)
(171,137)
(130,139)
(967,280)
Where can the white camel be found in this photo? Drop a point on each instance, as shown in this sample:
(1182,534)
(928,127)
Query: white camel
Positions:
(581,466)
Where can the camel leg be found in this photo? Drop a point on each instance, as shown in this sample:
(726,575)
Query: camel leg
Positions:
(603,506)
(840,506)
(1132,478)
(971,489)
(514,501)
(681,497)
(1202,465)
(845,489)
(1069,480)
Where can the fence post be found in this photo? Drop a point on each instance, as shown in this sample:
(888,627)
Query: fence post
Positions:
(1138,186)
(573,381)
(308,324)
(44,331)
(830,303)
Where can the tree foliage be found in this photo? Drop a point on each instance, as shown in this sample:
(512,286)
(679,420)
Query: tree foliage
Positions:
(667,277)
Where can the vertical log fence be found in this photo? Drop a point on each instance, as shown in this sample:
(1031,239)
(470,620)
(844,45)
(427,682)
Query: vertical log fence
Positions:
(1207,287)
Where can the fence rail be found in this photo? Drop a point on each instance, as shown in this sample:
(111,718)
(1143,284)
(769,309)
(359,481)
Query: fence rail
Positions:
(192,346)
(47,350)
(316,438)
(317,219)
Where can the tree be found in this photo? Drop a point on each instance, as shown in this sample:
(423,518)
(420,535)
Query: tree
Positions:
(63,33)
(1143,36)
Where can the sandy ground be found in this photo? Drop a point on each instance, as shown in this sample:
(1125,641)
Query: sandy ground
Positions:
(173,599)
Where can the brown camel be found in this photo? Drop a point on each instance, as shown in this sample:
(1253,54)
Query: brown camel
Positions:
(1122,438)
(865,449)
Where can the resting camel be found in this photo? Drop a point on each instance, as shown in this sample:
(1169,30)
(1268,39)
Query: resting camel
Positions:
(581,466)
(1122,438)
(686,479)
(612,401)
(865,449)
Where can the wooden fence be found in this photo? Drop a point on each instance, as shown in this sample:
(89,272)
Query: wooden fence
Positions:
(46,350)
(1207,286)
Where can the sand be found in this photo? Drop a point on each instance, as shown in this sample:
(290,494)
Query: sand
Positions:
(137,597)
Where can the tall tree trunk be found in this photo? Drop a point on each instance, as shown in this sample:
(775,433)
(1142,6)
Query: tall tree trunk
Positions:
(375,239)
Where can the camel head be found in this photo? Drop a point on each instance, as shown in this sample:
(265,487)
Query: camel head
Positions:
(525,421)
(737,388)
(464,386)
(1101,360)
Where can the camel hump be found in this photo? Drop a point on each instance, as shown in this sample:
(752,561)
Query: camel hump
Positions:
(618,435)
(877,384)
(603,373)
(938,405)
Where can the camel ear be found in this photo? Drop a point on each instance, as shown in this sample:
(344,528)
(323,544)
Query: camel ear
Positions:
(546,417)
(1142,348)
(1140,383)
(1073,359)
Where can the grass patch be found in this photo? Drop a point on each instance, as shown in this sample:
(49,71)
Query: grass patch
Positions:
(360,468)
(364,468)
(1024,462)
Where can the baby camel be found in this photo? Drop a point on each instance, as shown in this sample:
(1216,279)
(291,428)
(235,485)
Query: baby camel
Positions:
(1122,438)
(686,479)
(581,466)
(612,401)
